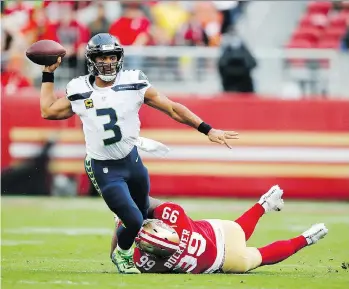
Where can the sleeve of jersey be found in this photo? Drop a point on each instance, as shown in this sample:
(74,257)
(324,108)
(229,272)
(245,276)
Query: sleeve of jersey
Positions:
(174,216)
(144,83)
(69,89)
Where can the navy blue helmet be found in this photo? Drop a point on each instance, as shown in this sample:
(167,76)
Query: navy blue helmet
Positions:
(104,44)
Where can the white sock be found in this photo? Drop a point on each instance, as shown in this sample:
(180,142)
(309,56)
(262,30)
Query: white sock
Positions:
(125,252)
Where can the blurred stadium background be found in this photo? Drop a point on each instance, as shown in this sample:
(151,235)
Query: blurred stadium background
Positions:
(286,92)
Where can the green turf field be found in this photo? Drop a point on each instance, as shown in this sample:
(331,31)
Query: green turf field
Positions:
(64,243)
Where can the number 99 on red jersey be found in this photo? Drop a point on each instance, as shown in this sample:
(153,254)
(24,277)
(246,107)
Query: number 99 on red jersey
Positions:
(197,250)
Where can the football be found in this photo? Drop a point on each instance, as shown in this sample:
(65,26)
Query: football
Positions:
(45,52)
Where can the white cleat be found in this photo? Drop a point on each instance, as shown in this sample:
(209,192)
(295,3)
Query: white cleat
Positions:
(272,200)
(315,233)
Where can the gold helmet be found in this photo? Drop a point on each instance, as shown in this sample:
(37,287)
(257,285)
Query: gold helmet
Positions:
(157,238)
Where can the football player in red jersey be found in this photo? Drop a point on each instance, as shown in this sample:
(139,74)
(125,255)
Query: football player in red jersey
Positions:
(173,242)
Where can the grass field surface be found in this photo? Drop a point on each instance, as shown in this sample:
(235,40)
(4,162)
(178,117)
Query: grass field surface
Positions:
(64,243)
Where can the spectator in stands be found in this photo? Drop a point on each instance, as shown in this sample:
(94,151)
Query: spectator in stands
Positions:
(101,23)
(169,16)
(230,11)
(71,34)
(210,20)
(12,74)
(38,26)
(132,28)
(17,6)
(14,17)
(191,33)
(235,64)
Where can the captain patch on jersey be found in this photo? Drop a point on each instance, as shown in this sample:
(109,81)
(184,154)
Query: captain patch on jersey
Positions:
(88,103)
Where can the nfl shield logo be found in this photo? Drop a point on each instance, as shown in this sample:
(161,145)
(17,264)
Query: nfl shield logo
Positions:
(105,170)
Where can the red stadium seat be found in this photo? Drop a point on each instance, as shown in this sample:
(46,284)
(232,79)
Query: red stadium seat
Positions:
(320,26)
(299,43)
(310,34)
(339,20)
(328,44)
(306,21)
(313,20)
(333,33)
(322,7)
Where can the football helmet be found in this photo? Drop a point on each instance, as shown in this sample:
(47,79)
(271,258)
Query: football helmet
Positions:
(157,239)
(104,44)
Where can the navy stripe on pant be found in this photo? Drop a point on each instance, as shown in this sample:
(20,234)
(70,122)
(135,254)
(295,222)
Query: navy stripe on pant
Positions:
(124,185)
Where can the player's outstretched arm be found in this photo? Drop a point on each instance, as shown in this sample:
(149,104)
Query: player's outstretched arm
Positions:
(182,114)
(51,106)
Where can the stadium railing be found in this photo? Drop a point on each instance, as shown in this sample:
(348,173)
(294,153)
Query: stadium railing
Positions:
(292,73)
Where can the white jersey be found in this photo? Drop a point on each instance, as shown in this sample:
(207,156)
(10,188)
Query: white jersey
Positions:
(109,115)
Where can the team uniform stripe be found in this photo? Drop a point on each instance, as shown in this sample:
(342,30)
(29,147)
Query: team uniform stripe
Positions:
(158,238)
(131,86)
(91,175)
(154,241)
(79,96)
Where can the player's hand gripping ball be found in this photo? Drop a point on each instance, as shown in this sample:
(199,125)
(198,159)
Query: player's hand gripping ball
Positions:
(45,52)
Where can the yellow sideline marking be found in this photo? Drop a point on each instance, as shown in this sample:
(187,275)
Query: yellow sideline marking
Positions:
(186,136)
(223,169)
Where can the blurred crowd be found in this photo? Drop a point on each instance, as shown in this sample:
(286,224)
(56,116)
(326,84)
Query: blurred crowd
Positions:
(137,23)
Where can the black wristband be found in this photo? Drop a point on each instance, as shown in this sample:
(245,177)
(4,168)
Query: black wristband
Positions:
(48,77)
(204,128)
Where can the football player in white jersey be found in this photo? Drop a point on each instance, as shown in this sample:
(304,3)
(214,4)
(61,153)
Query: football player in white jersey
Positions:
(107,100)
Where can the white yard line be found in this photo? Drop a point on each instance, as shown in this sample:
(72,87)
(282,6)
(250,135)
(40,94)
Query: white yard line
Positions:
(82,260)
(191,205)
(62,282)
(60,231)
(18,243)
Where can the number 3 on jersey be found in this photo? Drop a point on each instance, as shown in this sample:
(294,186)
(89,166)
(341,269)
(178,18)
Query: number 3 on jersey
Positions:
(111,125)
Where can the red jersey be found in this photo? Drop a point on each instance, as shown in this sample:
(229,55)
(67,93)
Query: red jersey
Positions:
(201,247)
(127,30)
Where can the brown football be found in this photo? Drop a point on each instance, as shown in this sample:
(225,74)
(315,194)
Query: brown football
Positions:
(45,52)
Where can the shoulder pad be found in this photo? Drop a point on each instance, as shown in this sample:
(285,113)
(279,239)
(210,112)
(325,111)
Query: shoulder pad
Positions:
(78,85)
(142,76)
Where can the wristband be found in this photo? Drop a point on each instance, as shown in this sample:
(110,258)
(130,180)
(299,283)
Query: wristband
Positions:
(204,128)
(48,77)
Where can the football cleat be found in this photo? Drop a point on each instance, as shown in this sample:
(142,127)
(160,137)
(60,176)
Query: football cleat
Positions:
(315,233)
(272,200)
(124,262)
